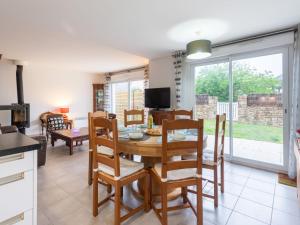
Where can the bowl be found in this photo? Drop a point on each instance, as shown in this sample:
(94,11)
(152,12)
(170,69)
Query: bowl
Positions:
(178,137)
(136,135)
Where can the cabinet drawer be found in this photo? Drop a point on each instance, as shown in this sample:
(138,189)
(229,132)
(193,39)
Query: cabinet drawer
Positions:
(16,163)
(25,218)
(16,194)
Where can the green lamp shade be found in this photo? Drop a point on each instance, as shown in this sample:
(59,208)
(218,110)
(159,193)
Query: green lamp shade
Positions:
(198,49)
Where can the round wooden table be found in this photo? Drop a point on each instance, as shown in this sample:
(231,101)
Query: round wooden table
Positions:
(150,150)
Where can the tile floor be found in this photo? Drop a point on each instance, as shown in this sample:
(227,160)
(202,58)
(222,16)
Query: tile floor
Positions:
(252,197)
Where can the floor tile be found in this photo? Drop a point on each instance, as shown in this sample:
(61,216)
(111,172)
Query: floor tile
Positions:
(258,196)
(232,188)
(281,218)
(285,191)
(234,178)
(254,210)
(261,186)
(240,219)
(286,205)
(226,199)
(214,215)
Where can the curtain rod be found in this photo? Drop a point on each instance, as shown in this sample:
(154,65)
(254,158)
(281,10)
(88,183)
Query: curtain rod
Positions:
(127,70)
(257,36)
(253,37)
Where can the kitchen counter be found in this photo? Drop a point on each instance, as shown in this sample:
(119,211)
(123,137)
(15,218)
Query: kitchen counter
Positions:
(14,143)
(18,179)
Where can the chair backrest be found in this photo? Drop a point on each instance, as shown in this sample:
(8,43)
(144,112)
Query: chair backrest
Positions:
(219,136)
(180,148)
(187,114)
(134,113)
(107,140)
(55,122)
(91,115)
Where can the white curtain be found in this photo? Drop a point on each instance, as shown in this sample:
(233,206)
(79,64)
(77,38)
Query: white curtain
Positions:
(107,93)
(295,115)
(178,72)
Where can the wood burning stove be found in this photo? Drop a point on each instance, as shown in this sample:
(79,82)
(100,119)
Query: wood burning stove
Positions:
(20,112)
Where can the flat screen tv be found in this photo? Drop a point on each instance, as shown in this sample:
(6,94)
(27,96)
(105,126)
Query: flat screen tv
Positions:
(157,98)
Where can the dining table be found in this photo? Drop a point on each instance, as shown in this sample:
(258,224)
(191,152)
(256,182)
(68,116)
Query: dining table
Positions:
(150,149)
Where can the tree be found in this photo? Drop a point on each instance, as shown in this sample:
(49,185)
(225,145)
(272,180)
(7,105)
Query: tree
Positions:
(214,81)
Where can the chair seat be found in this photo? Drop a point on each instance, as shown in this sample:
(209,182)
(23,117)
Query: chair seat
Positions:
(208,157)
(176,174)
(127,167)
(105,150)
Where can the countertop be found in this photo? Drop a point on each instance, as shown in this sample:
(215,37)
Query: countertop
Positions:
(13,143)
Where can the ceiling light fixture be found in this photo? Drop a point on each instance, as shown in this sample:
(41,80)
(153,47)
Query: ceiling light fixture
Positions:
(198,49)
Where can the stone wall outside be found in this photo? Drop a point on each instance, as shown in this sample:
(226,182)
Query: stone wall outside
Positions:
(253,114)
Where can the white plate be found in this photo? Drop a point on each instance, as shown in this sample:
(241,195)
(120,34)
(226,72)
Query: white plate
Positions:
(178,137)
(136,136)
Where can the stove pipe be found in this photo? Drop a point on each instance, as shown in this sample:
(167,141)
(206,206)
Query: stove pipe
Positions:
(19,77)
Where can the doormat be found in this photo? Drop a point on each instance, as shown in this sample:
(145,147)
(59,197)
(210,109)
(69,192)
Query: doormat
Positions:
(284,179)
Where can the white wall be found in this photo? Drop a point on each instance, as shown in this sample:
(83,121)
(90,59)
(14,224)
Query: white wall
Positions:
(46,90)
(161,74)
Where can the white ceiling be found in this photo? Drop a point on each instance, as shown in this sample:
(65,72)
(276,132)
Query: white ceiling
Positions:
(107,35)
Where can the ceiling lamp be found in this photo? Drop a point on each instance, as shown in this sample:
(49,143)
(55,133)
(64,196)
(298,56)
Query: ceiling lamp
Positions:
(198,49)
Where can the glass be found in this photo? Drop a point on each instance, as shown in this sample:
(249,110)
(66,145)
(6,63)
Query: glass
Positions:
(212,98)
(257,106)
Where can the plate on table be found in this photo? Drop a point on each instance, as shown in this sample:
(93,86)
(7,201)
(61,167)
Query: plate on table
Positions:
(136,136)
(154,132)
(178,137)
(123,129)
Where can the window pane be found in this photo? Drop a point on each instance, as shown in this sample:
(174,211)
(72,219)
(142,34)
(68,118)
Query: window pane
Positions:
(120,100)
(137,94)
(212,98)
(257,92)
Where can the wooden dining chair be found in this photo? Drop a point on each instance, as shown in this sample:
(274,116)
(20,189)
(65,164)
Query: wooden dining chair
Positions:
(213,158)
(115,170)
(181,173)
(182,113)
(101,149)
(137,117)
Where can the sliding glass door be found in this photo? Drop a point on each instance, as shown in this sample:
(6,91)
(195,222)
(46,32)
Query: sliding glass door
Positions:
(252,90)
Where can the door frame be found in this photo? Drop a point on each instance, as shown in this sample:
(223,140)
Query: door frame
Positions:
(285,50)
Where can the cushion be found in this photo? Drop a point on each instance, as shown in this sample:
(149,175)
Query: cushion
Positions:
(127,167)
(176,174)
(208,157)
(55,123)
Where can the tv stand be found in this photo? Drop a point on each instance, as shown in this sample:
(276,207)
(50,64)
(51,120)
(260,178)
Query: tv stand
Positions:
(160,115)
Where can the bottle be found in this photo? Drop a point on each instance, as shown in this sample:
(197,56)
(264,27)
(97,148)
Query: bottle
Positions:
(150,121)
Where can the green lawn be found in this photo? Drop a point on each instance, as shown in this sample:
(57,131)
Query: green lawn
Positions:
(248,131)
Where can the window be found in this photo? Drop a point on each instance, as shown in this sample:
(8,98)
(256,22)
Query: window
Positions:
(127,95)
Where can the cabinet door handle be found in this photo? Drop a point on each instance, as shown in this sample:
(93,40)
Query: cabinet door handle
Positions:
(9,158)
(12,178)
(13,220)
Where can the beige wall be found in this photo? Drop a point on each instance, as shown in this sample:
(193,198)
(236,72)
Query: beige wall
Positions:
(47,89)
(161,74)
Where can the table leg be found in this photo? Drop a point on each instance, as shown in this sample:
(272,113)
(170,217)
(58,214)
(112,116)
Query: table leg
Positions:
(139,189)
(52,140)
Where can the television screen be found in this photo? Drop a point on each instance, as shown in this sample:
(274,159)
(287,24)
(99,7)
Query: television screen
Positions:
(157,98)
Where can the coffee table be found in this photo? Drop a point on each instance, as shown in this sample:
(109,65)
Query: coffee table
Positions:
(70,136)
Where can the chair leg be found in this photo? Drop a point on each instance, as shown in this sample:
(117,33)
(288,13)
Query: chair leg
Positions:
(146,194)
(95,194)
(222,175)
(109,188)
(117,204)
(164,204)
(184,194)
(216,186)
(90,172)
(199,202)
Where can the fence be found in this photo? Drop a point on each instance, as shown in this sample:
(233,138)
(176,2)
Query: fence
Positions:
(223,107)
